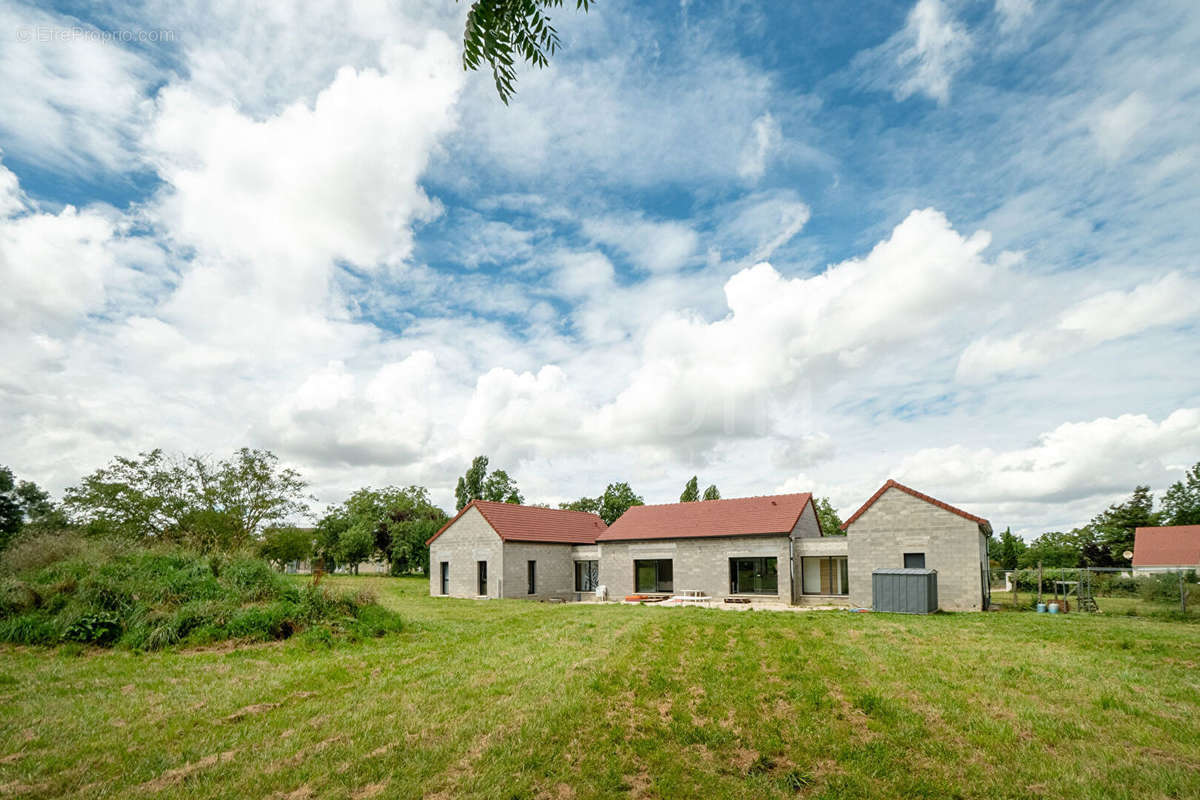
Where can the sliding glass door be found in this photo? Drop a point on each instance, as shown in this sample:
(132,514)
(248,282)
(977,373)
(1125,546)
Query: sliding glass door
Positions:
(753,576)
(825,575)
(653,575)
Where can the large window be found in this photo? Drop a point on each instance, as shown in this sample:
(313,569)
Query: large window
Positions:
(914,561)
(587,576)
(531,576)
(653,575)
(824,575)
(483,577)
(753,576)
(445,577)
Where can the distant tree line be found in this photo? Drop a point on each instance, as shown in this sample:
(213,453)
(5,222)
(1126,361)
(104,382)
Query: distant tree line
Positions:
(1104,539)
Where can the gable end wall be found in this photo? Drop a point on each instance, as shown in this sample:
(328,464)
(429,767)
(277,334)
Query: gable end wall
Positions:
(898,523)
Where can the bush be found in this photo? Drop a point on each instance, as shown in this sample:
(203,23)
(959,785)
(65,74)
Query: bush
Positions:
(98,628)
(1163,588)
(151,598)
(30,553)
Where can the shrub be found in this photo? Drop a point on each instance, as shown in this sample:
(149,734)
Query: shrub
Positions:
(97,628)
(31,553)
(374,621)
(148,599)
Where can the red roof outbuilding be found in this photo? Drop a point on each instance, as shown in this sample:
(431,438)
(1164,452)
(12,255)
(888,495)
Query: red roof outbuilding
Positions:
(516,523)
(891,484)
(1168,546)
(741,516)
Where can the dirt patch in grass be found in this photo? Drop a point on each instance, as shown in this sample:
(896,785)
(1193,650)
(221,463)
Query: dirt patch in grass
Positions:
(180,774)
(306,752)
(257,708)
(370,790)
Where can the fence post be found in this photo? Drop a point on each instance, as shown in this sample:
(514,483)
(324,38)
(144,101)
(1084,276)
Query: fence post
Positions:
(1182,595)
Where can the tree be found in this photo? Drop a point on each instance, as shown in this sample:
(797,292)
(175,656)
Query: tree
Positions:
(397,522)
(831,523)
(470,485)
(1181,503)
(327,543)
(477,484)
(500,488)
(712,493)
(24,504)
(192,500)
(590,505)
(499,31)
(1009,550)
(691,491)
(1111,532)
(1052,549)
(616,500)
(355,545)
(286,543)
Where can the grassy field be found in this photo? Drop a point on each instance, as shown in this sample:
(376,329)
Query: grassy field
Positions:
(510,699)
(1133,606)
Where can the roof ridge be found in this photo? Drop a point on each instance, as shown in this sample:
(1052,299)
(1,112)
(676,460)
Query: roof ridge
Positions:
(892,483)
(536,508)
(722,499)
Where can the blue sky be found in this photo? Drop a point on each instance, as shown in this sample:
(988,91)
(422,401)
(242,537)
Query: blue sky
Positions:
(787,247)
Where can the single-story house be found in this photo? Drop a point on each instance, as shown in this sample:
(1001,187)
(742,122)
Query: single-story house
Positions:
(740,548)
(900,527)
(766,549)
(505,550)
(1166,549)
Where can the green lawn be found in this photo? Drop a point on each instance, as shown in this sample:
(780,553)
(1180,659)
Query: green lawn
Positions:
(499,699)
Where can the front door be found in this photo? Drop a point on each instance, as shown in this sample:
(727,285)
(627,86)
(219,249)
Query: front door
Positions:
(483,578)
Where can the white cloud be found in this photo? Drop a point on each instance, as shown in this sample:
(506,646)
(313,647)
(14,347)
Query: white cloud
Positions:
(1074,461)
(761,223)
(765,134)
(337,180)
(581,274)
(923,57)
(1116,127)
(1013,13)
(699,381)
(603,120)
(73,103)
(53,267)
(336,416)
(1168,300)
(650,245)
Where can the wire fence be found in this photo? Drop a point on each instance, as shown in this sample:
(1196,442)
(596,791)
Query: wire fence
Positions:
(1135,592)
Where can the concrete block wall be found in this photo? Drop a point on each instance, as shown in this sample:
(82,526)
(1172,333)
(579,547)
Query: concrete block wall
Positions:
(555,570)
(700,563)
(469,540)
(807,526)
(898,523)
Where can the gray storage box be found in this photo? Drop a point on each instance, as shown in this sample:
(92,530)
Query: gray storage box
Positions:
(904,591)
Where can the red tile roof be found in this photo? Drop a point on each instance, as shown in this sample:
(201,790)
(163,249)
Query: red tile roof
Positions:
(736,517)
(891,484)
(516,523)
(1169,546)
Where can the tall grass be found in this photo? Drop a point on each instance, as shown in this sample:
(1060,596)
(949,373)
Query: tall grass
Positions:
(74,590)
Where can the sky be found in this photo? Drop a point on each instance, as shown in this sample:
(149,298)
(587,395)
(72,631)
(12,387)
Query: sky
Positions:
(781,246)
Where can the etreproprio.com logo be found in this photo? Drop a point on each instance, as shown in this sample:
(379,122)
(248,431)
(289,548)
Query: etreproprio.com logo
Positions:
(78,33)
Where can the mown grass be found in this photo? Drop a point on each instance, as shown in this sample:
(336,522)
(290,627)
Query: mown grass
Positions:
(511,699)
(1131,606)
